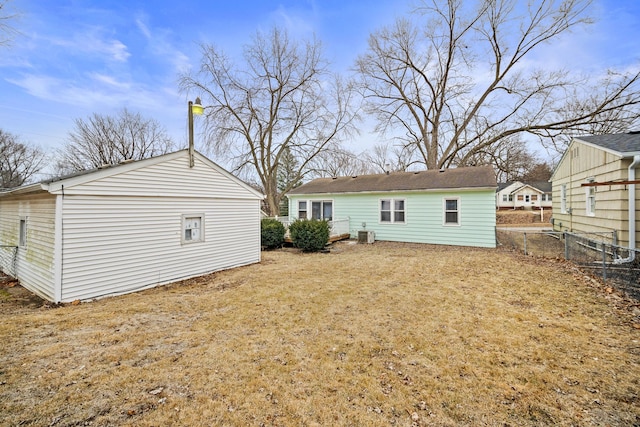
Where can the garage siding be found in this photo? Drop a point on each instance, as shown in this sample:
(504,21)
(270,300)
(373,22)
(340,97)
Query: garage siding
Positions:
(115,245)
(32,264)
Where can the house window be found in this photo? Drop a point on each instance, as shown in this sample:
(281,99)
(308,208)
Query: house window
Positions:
(322,209)
(520,197)
(192,228)
(302,210)
(451,212)
(563,198)
(22,238)
(511,197)
(591,199)
(534,197)
(398,211)
(505,197)
(392,210)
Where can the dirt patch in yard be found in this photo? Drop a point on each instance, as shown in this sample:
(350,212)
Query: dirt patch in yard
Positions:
(14,298)
(523,217)
(377,335)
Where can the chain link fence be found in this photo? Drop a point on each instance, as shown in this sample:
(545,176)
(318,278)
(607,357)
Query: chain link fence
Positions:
(8,259)
(594,252)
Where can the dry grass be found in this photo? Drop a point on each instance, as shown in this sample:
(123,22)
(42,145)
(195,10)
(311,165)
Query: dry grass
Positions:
(522,218)
(376,335)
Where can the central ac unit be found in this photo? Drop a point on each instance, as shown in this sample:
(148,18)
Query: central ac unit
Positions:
(365,236)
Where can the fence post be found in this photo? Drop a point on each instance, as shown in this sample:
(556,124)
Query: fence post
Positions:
(566,246)
(525,242)
(604,263)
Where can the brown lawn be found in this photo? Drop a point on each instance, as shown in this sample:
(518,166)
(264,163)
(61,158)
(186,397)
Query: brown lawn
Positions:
(376,335)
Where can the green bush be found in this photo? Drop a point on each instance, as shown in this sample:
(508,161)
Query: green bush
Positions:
(309,235)
(271,233)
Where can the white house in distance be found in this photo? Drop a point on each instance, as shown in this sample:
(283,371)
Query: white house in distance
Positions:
(521,195)
(128,227)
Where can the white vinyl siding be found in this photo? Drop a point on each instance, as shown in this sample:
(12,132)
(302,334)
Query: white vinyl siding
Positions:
(30,261)
(141,246)
(122,229)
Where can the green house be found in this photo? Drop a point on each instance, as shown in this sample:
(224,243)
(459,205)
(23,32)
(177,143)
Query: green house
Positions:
(448,206)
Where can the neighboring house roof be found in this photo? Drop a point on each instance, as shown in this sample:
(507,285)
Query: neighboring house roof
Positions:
(503,185)
(623,144)
(470,177)
(542,186)
(58,183)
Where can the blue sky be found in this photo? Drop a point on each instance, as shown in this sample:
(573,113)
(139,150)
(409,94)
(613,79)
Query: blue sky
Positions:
(74,58)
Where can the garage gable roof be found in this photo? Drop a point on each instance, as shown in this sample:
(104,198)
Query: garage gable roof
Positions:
(55,184)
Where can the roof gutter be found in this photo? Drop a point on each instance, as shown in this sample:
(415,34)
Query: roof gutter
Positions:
(632,211)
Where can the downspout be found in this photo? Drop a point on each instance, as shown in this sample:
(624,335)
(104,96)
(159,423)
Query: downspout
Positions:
(632,211)
(58,246)
(632,206)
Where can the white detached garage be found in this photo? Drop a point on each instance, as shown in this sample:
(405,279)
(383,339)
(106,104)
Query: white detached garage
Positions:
(128,227)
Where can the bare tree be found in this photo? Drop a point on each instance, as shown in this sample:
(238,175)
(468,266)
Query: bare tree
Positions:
(7,31)
(388,158)
(452,81)
(340,162)
(105,140)
(19,162)
(282,98)
(537,172)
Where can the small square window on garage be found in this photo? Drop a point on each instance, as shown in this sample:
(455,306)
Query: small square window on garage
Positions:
(192,228)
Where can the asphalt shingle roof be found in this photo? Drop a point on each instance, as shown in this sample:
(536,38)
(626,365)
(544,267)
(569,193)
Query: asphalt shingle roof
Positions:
(623,143)
(471,177)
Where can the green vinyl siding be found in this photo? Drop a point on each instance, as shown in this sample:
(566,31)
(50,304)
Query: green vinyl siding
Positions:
(424,213)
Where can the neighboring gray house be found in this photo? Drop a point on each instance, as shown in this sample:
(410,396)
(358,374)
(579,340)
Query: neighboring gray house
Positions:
(595,186)
(521,195)
(450,206)
(128,227)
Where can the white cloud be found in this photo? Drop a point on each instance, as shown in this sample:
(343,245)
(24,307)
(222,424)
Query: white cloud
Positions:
(297,22)
(110,81)
(161,45)
(93,41)
(143,28)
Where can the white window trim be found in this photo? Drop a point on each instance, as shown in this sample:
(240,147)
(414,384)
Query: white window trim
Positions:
(392,211)
(590,194)
(306,209)
(309,210)
(322,202)
(183,228)
(563,198)
(22,232)
(444,212)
